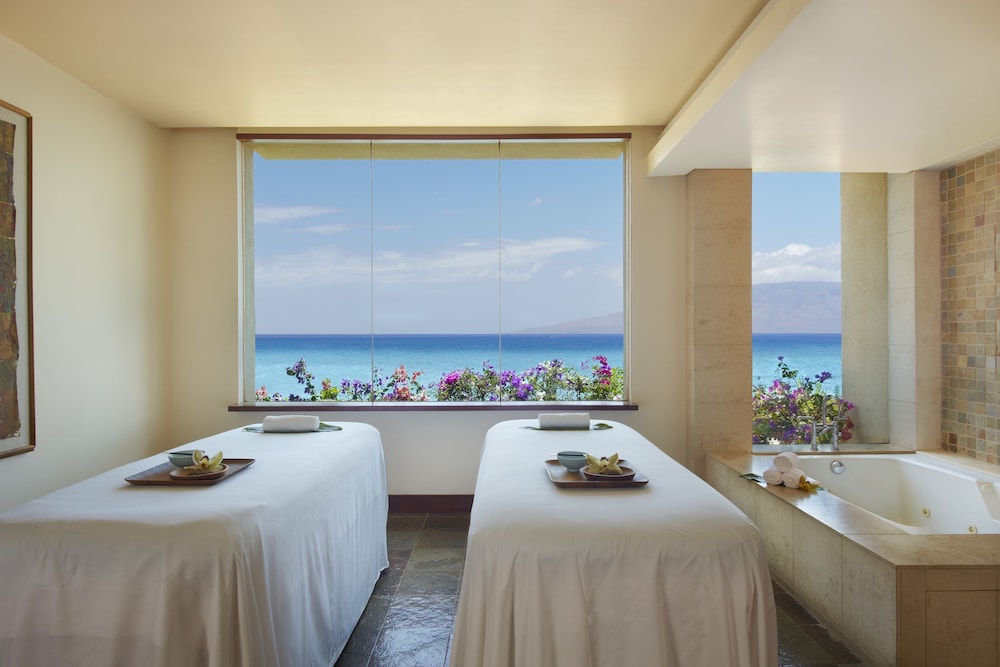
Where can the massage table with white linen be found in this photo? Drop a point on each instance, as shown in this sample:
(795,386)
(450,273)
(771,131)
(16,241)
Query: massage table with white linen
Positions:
(270,567)
(666,574)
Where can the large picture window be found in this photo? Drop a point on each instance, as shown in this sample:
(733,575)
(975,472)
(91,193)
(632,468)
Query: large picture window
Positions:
(486,269)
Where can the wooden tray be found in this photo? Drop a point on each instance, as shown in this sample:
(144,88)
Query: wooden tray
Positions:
(160,475)
(574,479)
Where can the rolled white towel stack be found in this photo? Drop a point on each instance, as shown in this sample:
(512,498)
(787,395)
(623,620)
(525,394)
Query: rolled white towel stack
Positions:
(784,470)
(786,461)
(792,478)
(564,420)
(290,423)
(772,476)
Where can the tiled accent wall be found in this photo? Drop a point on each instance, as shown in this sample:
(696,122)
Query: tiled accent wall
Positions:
(970,223)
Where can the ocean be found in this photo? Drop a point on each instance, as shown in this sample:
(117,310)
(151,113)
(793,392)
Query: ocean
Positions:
(810,354)
(351,357)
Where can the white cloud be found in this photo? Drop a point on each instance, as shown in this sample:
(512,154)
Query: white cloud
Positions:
(330,265)
(797,261)
(537,201)
(326,229)
(267,215)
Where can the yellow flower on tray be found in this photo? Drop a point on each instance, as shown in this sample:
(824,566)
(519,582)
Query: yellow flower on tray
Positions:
(807,486)
(204,463)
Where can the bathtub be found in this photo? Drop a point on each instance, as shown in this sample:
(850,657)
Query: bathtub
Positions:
(920,494)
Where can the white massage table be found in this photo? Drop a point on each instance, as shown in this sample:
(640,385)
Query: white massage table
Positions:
(668,574)
(270,567)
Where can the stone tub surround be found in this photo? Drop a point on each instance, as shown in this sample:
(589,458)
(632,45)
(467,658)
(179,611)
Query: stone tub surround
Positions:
(892,597)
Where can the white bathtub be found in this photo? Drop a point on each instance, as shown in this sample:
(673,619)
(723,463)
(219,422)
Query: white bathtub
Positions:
(919,493)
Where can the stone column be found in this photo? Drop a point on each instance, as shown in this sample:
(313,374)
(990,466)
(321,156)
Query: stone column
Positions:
(720,374)
(914,251)
(864,294)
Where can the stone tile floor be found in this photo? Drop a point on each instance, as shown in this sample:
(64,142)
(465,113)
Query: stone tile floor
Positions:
(409,619)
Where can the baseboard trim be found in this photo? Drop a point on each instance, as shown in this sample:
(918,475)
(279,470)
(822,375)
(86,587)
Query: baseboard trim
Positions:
(426,504)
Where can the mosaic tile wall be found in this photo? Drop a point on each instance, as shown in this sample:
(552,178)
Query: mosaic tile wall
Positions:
(969,274)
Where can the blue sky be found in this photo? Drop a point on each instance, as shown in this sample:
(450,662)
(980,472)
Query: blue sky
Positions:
(434,229)
(796,227)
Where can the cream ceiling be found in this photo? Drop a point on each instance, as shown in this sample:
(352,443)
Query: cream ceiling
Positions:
(837,85)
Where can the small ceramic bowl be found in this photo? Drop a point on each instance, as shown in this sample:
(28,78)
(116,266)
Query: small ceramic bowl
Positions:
(182,458)
(572,460)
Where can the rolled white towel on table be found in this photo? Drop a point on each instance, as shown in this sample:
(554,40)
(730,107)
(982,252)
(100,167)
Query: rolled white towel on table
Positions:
(786,461)
(792,478)
(563,420)
(290,423)
(772,476)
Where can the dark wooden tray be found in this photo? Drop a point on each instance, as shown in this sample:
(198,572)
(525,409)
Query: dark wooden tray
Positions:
(574,479)
(160,475)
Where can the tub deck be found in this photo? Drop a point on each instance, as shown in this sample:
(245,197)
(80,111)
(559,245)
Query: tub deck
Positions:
(896,598)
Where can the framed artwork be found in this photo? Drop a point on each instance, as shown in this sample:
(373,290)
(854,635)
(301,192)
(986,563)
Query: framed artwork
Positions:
(17,412)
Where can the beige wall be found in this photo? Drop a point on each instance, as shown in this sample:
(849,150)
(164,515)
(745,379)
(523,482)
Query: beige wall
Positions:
(205,325)
(101,343)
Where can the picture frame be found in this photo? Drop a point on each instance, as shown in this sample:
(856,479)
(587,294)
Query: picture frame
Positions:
(17,415)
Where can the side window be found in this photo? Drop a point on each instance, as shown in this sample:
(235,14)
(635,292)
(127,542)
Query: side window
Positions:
(797,310)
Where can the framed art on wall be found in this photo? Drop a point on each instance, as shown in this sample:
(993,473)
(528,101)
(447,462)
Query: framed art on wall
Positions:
(16,368)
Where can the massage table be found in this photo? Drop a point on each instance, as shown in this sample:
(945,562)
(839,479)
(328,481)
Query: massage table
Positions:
(668,573)
(270,567)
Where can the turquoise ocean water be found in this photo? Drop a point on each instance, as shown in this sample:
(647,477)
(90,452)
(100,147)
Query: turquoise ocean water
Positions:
(351,357)
(810,354)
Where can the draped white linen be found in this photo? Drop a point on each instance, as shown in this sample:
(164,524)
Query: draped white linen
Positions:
(669,574)
(270,567)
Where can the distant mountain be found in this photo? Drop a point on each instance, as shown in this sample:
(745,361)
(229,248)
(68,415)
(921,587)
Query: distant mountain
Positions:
(796,307)
(790,307)
(604,324)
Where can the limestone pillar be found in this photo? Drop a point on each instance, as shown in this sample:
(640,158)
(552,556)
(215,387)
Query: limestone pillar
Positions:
(864,310)
(914,308)
(719,410)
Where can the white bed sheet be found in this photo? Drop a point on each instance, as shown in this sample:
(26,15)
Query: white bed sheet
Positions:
(271,567)
(670,574)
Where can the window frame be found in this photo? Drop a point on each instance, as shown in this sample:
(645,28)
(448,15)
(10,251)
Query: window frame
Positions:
(247,348)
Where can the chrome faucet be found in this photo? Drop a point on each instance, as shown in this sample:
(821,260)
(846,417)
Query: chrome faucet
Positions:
(813,441)
(834,428)
(826,425)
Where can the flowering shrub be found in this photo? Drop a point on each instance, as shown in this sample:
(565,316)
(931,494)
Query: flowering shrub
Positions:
(547,381)
(604,384)
(489,386)
(785,410)
(327,391)
(467,385)
(400,386)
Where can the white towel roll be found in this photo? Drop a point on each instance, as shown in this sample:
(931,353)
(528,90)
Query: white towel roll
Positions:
(290,423)
(563,420)
(786,461)
(792,478)
(772,476)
